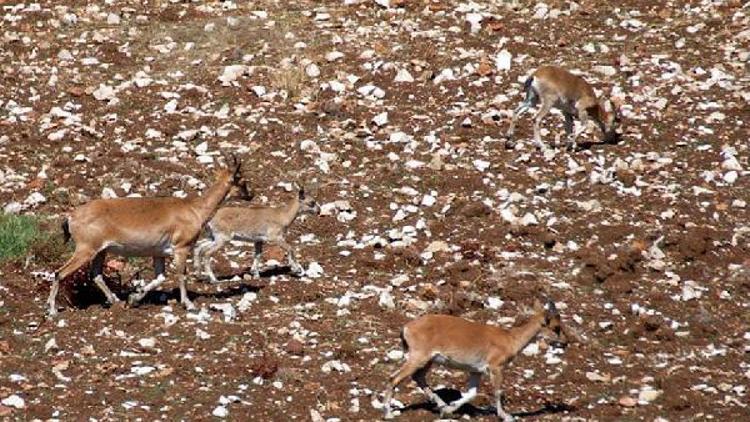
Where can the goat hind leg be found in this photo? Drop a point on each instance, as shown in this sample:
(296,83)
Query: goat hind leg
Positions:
(160,264)
(79,259)
(543,111)
(412,365)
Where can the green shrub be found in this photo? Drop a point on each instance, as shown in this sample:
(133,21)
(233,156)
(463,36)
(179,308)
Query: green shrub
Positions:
(17,234)
(23,236)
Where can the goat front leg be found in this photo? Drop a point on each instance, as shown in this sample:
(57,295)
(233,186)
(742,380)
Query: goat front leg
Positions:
(583,116)
(96,273)
(137,296)
(180,259)
(159,278)
(420,377)
(112,299)
(496,377)
(525,105)
(474,379)
(293,264)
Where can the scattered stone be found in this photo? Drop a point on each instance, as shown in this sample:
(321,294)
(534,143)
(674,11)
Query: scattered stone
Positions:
(403,75)
(14,400)
(295,347)
(648,395)
(627,401)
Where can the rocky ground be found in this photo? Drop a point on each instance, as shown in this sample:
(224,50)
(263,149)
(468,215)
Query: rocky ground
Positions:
(396,109)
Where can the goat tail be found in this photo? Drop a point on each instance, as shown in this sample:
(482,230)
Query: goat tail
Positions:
(527,84)
(66,230)
(404,344)
(531,94)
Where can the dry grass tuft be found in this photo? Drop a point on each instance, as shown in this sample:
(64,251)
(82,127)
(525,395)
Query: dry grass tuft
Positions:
(290,80)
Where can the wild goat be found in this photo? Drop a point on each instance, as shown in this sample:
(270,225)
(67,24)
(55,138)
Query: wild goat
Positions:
(556,87)
(157,227)
(470,346)
(257,224)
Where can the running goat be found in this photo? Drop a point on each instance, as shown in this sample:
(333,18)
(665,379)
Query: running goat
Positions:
(470,346)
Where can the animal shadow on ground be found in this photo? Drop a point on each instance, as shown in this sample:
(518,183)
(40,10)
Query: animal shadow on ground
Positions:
(450,395)
(80,293)
(162,297)
(609,139)
(77,291)
(268,272)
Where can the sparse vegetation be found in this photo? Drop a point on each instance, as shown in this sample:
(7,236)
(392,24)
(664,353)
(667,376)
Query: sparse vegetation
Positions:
(49,249)
(642,244)
(291,79)
(23,236)
(17,234)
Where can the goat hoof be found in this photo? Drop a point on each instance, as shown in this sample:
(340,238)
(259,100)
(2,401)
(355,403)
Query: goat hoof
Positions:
(447,410)
(51,314)
(134,298)
(509,144)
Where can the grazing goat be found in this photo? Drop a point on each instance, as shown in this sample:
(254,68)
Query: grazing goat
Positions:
(556,87)
(156,227)
(469,346)
(257,224)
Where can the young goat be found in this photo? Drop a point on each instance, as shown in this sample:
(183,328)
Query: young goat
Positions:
(470,346)
(556,87)
(257,224)
(156,227)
